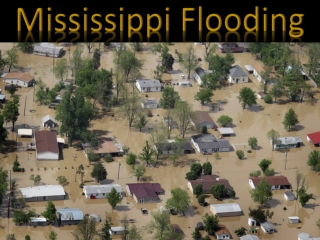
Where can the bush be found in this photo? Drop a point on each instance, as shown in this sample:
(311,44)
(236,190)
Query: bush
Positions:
(204,130)
(268,99)
(232,193)
(83,194)
(108,158)
(131,159)
(240,154)
(249,151)
(224,120)
(269,172)
(255,173)
(201,199)
(81,185)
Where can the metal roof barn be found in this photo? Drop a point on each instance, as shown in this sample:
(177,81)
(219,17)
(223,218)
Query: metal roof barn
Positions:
(40,191)
(47,49)
(225,131)
(25,132)
(67,214)
(226,209)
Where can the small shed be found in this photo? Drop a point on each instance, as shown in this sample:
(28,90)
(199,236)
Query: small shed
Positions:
(61,142)
(48,122)
(116,230)
(252,222)
(226,209)
(249,68)
(95,218)
(294,219)
(226,131)
(289,196)
(150,103)
(267,227)
(2,98)
(261,95)
(38,222)
(24,132)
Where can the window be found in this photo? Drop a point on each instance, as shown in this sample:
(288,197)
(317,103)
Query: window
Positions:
(276,186)
(156,88)
(142,88)
(103,194)
(97,194)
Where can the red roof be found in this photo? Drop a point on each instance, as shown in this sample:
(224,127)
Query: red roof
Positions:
(143,190)
(46,141)
(272,180)
(314,137)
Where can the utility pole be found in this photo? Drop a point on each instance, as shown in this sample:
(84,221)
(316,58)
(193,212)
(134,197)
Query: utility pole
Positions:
(119,169)
(285,164)
(10,181)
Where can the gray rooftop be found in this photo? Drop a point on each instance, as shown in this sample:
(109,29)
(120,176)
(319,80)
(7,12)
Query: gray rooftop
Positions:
(267,225)
(94,189)
(48,117)
(289,140)
(48,48)
(289,194)
(306,236)
(226,207)
(237,71)
(2,96)
(249,237)
(201,72)
(70,214)
(206,141)
(149,83)
(150,101)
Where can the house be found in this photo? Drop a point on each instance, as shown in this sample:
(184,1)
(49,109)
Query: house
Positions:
(303,74)
(207,182)
(306,236)
(233,47)
(249,237)
(267,227)
(170,147)
(105,146)
(294,219)
(207,143)
(2,98)
(46,145)
(48,122)
(226,131)
(170,122)
(314,138)
(226,209)
(259,70)
(289,196)
(202,118)
(25,132)
(249,68)
(287,142)
(237,75)
(100,191)
(21,79)
(48,50)
(144,192)
(69,216)
(252,222)
(150,103)
(38,221)
(261,95)
(148,85)
(43,193)
(222,232)
(275,182)
(199,73)
(117,230)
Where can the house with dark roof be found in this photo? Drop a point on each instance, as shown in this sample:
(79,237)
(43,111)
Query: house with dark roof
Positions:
(144,192)
(148,85)
(237,75)
(314,138)
(46,145)
(208,181)
(207,144)
(48,122)
(171,147)
(105,146)
(199,73)
(275,182)
(202,118)
(21,79)
(234,47)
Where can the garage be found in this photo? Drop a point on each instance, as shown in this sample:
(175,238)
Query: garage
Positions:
(25,132)
(46,145)
(226,209)
(226,131)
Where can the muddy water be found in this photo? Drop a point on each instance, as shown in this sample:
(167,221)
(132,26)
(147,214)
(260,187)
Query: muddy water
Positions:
(255,121)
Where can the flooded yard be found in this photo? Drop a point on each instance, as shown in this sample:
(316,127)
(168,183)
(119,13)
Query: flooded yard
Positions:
(251,122)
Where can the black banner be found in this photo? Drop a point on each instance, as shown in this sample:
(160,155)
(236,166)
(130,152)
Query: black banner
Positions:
(158,21)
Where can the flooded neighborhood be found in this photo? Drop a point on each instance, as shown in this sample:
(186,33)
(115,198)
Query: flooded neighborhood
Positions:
(151,143)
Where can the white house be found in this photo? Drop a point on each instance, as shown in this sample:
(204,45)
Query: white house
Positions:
(48,50)
(267,227)
(289,196)
(21,79)
(43,193)
(222,232)
(100,191)
(150,103)
(275,182)
(148,85)
(306,236)
(237,75)
(199,73)
(46,145)
(116,230)
(287,142)
(226,209)
(48,122)
(294,219)
(25,132)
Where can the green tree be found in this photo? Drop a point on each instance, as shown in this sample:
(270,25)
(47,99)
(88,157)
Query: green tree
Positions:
(180,200)
(300,179)
(201,199)
(166,58)
(50,212)
(137,46)
(158,136)
(138,171)
(160,223)
(147,153)
(12,57)
(196,235)
(262,193)
(62,180)
(27,237)
(314,159)
(10,237)
(276,91)
(204,96)
(204,130)
(53,235)
(86,229)
(273,136)
(77,62)
(25,47)
(269,172)
(134,233)
(240,154)
(209,81)
(12,89)
(318,224)
(253,142)
(191,175)
(304,197)
(131,158)
(260,215)
(197,190)
(218,191)
(169,98)
(190,60)
(108,158)
(3,183)
(141,121)
(224,120)
(80,170)
(3,133)
(264,164)
(207,168)
(240,231)
(232,193)
(247,97)
(41,94)
(196,168)
(60,69)
(114,198)
(183,114)
(210,223)
(96,59)
(92,156)
(99,172)
(128,63)
(35,178)
(104,233)
(290,119)
(10,111)
(131,108)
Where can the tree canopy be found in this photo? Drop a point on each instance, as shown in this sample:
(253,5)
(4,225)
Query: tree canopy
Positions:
(247,97)
(179,201)
(99,172)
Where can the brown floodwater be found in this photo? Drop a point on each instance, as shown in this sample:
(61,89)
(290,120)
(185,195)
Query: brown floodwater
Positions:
(256,121)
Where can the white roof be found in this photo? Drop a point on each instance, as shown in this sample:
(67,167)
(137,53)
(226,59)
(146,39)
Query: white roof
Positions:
(93,189)
(48,117)
(225,130)
(306,236)
(249,237)
(117,229)
(60,140)
(42,191)
(294,218)
(26,132)
(226,207)
(33,219)
(248,67)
